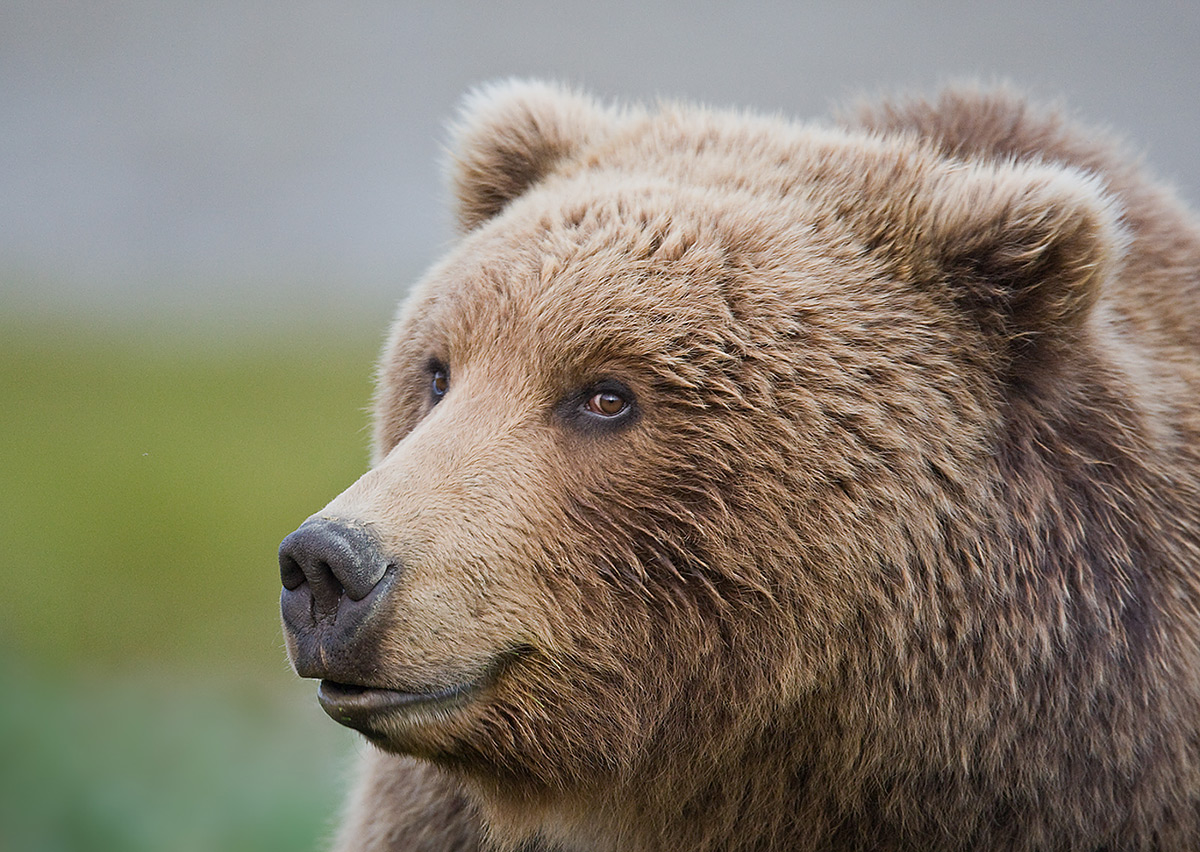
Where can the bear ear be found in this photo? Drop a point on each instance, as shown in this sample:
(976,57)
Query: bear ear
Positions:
(510,135)
(1025,249)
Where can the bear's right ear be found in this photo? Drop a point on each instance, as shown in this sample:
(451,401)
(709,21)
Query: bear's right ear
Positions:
(510,135)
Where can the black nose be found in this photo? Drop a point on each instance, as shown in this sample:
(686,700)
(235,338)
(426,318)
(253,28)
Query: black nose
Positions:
(333,558)
(335,586)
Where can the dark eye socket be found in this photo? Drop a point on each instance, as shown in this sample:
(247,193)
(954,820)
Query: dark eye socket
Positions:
(439,382)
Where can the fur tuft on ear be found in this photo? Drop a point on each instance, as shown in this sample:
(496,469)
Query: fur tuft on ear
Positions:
(1023,248)
(511,134)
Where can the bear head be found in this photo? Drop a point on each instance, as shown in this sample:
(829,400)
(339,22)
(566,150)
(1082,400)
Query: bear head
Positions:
(685,449)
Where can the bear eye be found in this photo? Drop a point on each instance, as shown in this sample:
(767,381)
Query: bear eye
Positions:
(606,403)
(601,407)
(439,383)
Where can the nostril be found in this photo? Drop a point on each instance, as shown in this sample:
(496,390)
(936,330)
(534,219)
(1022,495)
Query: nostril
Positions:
(290,572)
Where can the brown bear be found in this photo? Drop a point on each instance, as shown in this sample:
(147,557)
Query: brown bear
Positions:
(750,485)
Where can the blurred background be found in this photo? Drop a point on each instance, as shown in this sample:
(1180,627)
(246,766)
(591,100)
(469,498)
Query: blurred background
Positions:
(207,214)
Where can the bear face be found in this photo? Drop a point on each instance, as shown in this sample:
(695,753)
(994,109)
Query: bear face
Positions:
(711,478)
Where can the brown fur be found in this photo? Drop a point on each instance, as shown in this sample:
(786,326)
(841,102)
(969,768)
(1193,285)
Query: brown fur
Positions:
(900,548)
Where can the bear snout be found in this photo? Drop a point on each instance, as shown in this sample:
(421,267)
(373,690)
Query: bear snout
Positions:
(335,579)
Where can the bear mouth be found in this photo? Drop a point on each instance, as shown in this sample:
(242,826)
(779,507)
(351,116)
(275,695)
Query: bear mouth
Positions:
(366,709)
(361,707)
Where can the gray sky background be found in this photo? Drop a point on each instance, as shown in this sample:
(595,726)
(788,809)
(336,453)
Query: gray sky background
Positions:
(235,158)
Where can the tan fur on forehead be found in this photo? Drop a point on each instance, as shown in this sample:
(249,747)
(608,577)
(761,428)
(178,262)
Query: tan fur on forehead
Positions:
(931,217)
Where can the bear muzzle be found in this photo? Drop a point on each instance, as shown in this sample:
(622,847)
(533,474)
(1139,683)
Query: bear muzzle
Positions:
(337,597)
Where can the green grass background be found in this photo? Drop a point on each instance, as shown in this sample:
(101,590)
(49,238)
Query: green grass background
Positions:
(146,479)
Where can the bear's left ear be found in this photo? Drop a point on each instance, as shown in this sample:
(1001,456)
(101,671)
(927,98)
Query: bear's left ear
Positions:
(512,134)
(1025,249)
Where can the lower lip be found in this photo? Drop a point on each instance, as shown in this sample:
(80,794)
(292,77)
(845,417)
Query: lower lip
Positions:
(359,707)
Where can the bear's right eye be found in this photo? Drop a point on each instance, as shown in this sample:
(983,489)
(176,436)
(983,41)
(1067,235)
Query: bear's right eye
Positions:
(439,384)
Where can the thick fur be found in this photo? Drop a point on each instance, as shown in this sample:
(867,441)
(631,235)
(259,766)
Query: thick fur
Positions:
(898,547)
